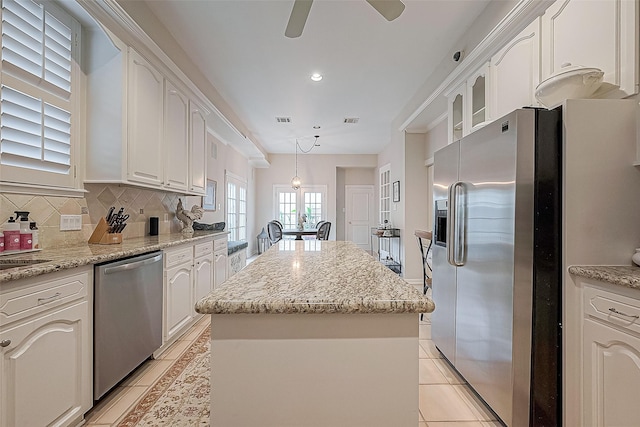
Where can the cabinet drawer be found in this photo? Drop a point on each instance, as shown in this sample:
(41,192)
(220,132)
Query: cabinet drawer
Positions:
(178,256)
(618,310)
(202,249)
(42,296)
(220,244)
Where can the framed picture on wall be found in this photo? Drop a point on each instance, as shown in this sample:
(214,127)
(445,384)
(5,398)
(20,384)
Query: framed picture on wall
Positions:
(209,200)
(396,191)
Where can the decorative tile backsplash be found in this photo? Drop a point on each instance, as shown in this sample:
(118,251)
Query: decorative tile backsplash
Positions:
(139,203)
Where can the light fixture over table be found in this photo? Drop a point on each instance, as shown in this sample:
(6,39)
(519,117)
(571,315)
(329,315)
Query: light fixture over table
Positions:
(296,182)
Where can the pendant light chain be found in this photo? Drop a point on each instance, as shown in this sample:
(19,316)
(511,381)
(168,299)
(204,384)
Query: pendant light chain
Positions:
(295,181)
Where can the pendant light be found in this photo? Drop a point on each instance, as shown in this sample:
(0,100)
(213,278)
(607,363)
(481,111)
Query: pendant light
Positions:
(296,182)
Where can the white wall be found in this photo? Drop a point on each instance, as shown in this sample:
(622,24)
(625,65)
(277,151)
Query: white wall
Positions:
(313,169)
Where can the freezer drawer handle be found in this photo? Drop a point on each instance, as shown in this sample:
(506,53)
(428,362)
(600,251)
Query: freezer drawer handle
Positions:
(613,310)
(133,265)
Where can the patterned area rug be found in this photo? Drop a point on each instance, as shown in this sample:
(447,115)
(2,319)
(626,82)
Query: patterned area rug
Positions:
(167,403)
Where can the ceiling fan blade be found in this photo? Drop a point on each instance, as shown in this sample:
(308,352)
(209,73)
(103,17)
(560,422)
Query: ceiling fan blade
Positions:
(298,18)
(390,9)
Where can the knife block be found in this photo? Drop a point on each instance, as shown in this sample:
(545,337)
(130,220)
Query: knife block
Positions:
(102,236)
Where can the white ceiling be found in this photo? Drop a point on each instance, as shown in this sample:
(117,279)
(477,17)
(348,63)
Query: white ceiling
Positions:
(371,67)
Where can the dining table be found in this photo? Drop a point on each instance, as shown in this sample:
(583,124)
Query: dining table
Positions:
(300,233)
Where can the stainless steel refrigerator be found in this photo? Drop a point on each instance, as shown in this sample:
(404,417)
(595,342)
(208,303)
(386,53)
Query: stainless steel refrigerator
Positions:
(497,264)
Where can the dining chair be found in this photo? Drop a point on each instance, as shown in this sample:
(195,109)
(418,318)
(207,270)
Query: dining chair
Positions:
(274,230)
(323,231)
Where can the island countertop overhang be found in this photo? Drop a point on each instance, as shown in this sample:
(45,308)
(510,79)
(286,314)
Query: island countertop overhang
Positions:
(315,277)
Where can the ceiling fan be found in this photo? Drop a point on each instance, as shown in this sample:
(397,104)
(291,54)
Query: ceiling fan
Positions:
(390,9)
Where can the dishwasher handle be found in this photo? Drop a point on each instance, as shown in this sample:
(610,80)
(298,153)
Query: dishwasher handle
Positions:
(133,265)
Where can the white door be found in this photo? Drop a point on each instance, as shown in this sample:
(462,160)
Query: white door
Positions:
(359,214)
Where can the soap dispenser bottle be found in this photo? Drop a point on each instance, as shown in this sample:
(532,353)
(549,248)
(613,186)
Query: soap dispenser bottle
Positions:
(11,235)
(25,232)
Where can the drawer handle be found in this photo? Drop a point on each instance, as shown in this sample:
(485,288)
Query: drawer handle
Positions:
(52,297)
(613,310)
(5,343)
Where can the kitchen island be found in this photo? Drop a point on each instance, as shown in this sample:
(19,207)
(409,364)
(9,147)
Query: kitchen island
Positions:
(314,333)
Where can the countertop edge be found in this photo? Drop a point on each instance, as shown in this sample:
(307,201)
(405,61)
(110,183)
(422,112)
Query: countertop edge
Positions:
(117,253)
(620,275)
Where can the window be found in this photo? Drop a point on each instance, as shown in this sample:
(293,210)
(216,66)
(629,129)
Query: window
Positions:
(236,207)
(385,194)
(38,93)
(289,204)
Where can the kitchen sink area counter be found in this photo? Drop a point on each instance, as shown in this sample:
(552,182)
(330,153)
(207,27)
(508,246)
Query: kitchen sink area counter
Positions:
(306,316)
(45,261)
(627,276)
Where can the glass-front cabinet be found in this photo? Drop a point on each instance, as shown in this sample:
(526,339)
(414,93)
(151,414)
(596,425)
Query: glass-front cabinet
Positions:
(456,113)
(478,108)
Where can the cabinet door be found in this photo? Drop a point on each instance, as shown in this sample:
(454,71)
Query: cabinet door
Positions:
(178,299)
(176,138)
(144,121)
(220,259)
(197,183)
(46,370)
(611,376)
(515,71)
(455,114)
(203,281)
(477,102)
(598,34)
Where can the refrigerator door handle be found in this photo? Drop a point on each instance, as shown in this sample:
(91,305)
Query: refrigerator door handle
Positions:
(455,244)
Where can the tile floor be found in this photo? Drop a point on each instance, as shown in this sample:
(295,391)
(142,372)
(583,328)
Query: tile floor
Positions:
(444,399)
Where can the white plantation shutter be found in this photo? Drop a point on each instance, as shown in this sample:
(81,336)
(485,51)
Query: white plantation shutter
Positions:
(36,101)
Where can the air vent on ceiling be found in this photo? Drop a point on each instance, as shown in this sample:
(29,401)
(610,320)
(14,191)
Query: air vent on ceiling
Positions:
(283,119)
(351,120)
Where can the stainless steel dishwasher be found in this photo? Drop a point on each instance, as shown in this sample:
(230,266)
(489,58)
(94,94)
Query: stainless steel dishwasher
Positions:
(127,317)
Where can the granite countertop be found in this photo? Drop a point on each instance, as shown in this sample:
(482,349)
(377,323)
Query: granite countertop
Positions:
(315,276)
(75,256)
(623,275)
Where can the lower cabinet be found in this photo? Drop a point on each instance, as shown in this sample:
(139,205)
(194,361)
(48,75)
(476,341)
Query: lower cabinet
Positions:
(611,358)
(45,364)
(188,277)
(220,260)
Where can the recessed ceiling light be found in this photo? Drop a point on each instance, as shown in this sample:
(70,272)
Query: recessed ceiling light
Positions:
(316,77)
(316,127)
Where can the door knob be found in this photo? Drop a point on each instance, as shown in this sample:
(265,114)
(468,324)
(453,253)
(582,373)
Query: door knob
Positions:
(5,343)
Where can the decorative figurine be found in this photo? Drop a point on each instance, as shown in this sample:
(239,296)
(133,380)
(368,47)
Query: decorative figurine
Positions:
(301,220)
(188,217)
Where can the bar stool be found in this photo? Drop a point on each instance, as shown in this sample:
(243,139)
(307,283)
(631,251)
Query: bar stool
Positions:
(422,237)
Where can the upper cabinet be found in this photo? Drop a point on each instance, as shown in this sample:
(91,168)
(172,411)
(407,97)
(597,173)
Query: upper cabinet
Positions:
(197,178)
(176,138)
(143,128)
(515,71)
(598,34)
(145,86)
(468,105)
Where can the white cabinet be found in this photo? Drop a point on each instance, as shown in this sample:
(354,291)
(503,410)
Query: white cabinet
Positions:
(515,71)
(203,270)
(469,104)
(455,113)
(146,116)
(46,347)
(477,105)
(611,358)
(220,260)
(198,149)
(598,34)
(188,277)
(176,138)
(143,128)
(178,293)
